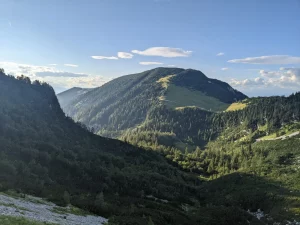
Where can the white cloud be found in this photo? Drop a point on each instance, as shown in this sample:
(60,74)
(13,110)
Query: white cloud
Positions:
(171,65)
(63,83)
(53,64)
(17,69)
(150,63)
(125,55)
(272,59)
(163,52)
(265,73)
(60,80)
(225,68)
(71,65)
(104,57)
(220,54)
(292,71)
(248,82)
(283,78)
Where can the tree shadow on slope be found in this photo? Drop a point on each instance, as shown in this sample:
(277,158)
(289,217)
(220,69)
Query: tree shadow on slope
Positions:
(249,192)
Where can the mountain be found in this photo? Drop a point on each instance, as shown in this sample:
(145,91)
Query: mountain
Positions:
(72,94)
(46,154)
(231,181)
(140,100)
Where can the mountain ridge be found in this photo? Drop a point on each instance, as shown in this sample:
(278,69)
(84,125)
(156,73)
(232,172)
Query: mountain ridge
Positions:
(127,102)
(46,154)
(183,77)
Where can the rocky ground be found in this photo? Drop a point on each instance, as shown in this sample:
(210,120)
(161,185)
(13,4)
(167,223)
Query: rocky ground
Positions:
(40,210)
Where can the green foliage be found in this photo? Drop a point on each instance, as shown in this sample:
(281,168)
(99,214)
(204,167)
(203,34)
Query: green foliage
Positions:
(150,222)
(46,154)
(147,100)
(177,96)
(10,220)
(66,198)
(99,202)
(196,80)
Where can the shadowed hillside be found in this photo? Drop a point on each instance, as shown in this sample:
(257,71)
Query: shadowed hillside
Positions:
(46,154)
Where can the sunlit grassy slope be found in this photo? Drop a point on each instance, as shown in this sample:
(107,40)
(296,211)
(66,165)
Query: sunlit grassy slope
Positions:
(164,81)
(236,106)
(178,97)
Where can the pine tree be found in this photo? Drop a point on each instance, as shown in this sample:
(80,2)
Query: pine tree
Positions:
(150,222)
(99,202)
(66,197)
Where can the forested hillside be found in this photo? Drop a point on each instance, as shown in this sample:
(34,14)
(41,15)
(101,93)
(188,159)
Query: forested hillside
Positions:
(157,100)
(46,154)
(261,119)
(177,108)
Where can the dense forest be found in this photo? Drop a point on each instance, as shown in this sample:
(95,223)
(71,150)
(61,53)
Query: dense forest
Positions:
(45,153)
(146,100)
(207,130)
(154,108)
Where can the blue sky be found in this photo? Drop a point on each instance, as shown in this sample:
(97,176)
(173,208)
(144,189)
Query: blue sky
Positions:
(259,40)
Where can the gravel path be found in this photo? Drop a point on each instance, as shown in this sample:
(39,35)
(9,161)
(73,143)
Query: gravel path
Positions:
(39,210)
(283,137)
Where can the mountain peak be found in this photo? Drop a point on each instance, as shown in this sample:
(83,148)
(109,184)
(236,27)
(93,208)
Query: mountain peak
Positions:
(127,101)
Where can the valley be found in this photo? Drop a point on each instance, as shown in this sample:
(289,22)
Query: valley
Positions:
(149,112)
(172,165)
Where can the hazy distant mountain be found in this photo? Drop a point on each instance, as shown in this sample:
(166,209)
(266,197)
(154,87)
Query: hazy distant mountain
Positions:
(71,94)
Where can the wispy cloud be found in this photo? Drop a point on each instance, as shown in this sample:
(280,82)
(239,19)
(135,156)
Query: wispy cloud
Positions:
(53,64)
(59,74)
(220,54)
(164,52)
(9,23)
(271,59)
(225,68)
(71,65)
(104,57)
(171,65)
(125,55)
(150,63)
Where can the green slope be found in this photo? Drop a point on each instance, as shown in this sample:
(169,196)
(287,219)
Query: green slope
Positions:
(177,97)
(46,154)
(127,102)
